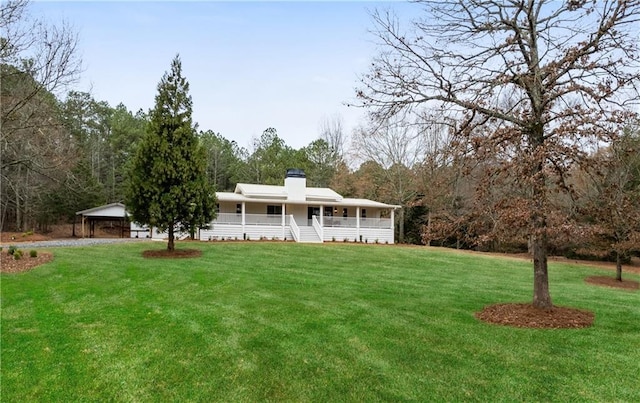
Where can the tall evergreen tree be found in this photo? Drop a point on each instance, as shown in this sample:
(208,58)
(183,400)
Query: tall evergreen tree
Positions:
(168,186)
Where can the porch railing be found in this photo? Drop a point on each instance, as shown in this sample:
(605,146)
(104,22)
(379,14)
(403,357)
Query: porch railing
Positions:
(352,222)
(228,218)
(317,227)
(295,231)
(276,220)
(251,219)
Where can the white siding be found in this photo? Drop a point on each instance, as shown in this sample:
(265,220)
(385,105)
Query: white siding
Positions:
(339,234)
(218,231)
(254,232)
(369,235)
(299,212)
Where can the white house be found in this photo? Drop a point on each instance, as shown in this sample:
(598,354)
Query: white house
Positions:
(295,212)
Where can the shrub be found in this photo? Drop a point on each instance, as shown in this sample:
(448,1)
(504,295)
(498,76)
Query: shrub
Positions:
(33,253)
(333,239)
(376,241)
(346,240)
(17,255)
(12,249)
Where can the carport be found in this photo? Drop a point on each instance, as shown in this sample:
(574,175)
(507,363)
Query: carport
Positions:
(108,212)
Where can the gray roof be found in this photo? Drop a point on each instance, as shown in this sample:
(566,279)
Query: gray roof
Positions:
(314,196)
(116,210)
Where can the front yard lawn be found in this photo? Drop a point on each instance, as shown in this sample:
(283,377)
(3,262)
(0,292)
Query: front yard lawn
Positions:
(282,321)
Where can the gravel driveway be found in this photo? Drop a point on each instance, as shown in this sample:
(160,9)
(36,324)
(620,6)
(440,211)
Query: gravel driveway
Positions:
(72,242)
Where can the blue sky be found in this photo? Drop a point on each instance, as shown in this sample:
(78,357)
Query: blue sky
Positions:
(250,65)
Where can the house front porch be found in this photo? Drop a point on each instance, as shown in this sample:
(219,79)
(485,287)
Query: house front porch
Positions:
(295,212)
(289,227)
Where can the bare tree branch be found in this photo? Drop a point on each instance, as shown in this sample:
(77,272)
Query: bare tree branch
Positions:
(530,81)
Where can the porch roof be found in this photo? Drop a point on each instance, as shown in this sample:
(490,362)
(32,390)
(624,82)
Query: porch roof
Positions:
(311,200)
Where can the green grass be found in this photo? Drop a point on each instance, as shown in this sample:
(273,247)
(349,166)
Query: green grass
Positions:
(275,321)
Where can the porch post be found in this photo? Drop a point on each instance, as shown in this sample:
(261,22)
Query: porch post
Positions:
(357,223)
(243,221)
(393,212)
(321,216)
(283,219)
(83,225)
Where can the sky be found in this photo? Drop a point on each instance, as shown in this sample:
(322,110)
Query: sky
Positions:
(250,65)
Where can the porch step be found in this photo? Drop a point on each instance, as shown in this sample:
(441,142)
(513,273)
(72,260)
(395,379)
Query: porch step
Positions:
(309,235)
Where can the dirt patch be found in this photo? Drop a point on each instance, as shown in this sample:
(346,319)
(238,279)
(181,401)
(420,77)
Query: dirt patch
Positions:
(9,265)
(525,315)
(17,237)
(632,267)
(59,231)
(612,282)
(172,254)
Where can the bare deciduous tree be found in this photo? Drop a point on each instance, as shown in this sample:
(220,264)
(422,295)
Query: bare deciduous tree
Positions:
(37,61)
(535,82)
(332,131)
(613,196)
(398,148)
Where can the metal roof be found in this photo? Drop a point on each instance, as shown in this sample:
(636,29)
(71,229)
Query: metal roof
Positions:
(116,210)
(347,202)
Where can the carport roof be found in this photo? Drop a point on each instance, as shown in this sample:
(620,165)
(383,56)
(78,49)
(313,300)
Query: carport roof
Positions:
(115,210)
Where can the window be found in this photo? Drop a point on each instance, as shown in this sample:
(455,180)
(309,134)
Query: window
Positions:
(344,212)
(274,210)
(363,213)
(239,208)
(217,208)
(328,212)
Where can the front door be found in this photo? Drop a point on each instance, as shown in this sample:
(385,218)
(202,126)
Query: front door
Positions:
(312,211)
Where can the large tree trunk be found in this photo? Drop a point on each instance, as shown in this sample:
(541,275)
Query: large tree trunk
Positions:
(171,244)
(618,266)
(541,296)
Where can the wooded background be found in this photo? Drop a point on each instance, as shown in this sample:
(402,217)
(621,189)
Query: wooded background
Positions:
(63,151)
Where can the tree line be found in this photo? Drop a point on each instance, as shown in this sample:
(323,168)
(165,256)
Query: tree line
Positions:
(509,158)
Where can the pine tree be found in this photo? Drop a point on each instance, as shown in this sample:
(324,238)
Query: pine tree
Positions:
(168,187)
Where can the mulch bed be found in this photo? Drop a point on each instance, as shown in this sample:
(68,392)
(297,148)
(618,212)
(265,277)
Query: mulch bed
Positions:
(607,281)
(525,315)
(172,254)
(9,265)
